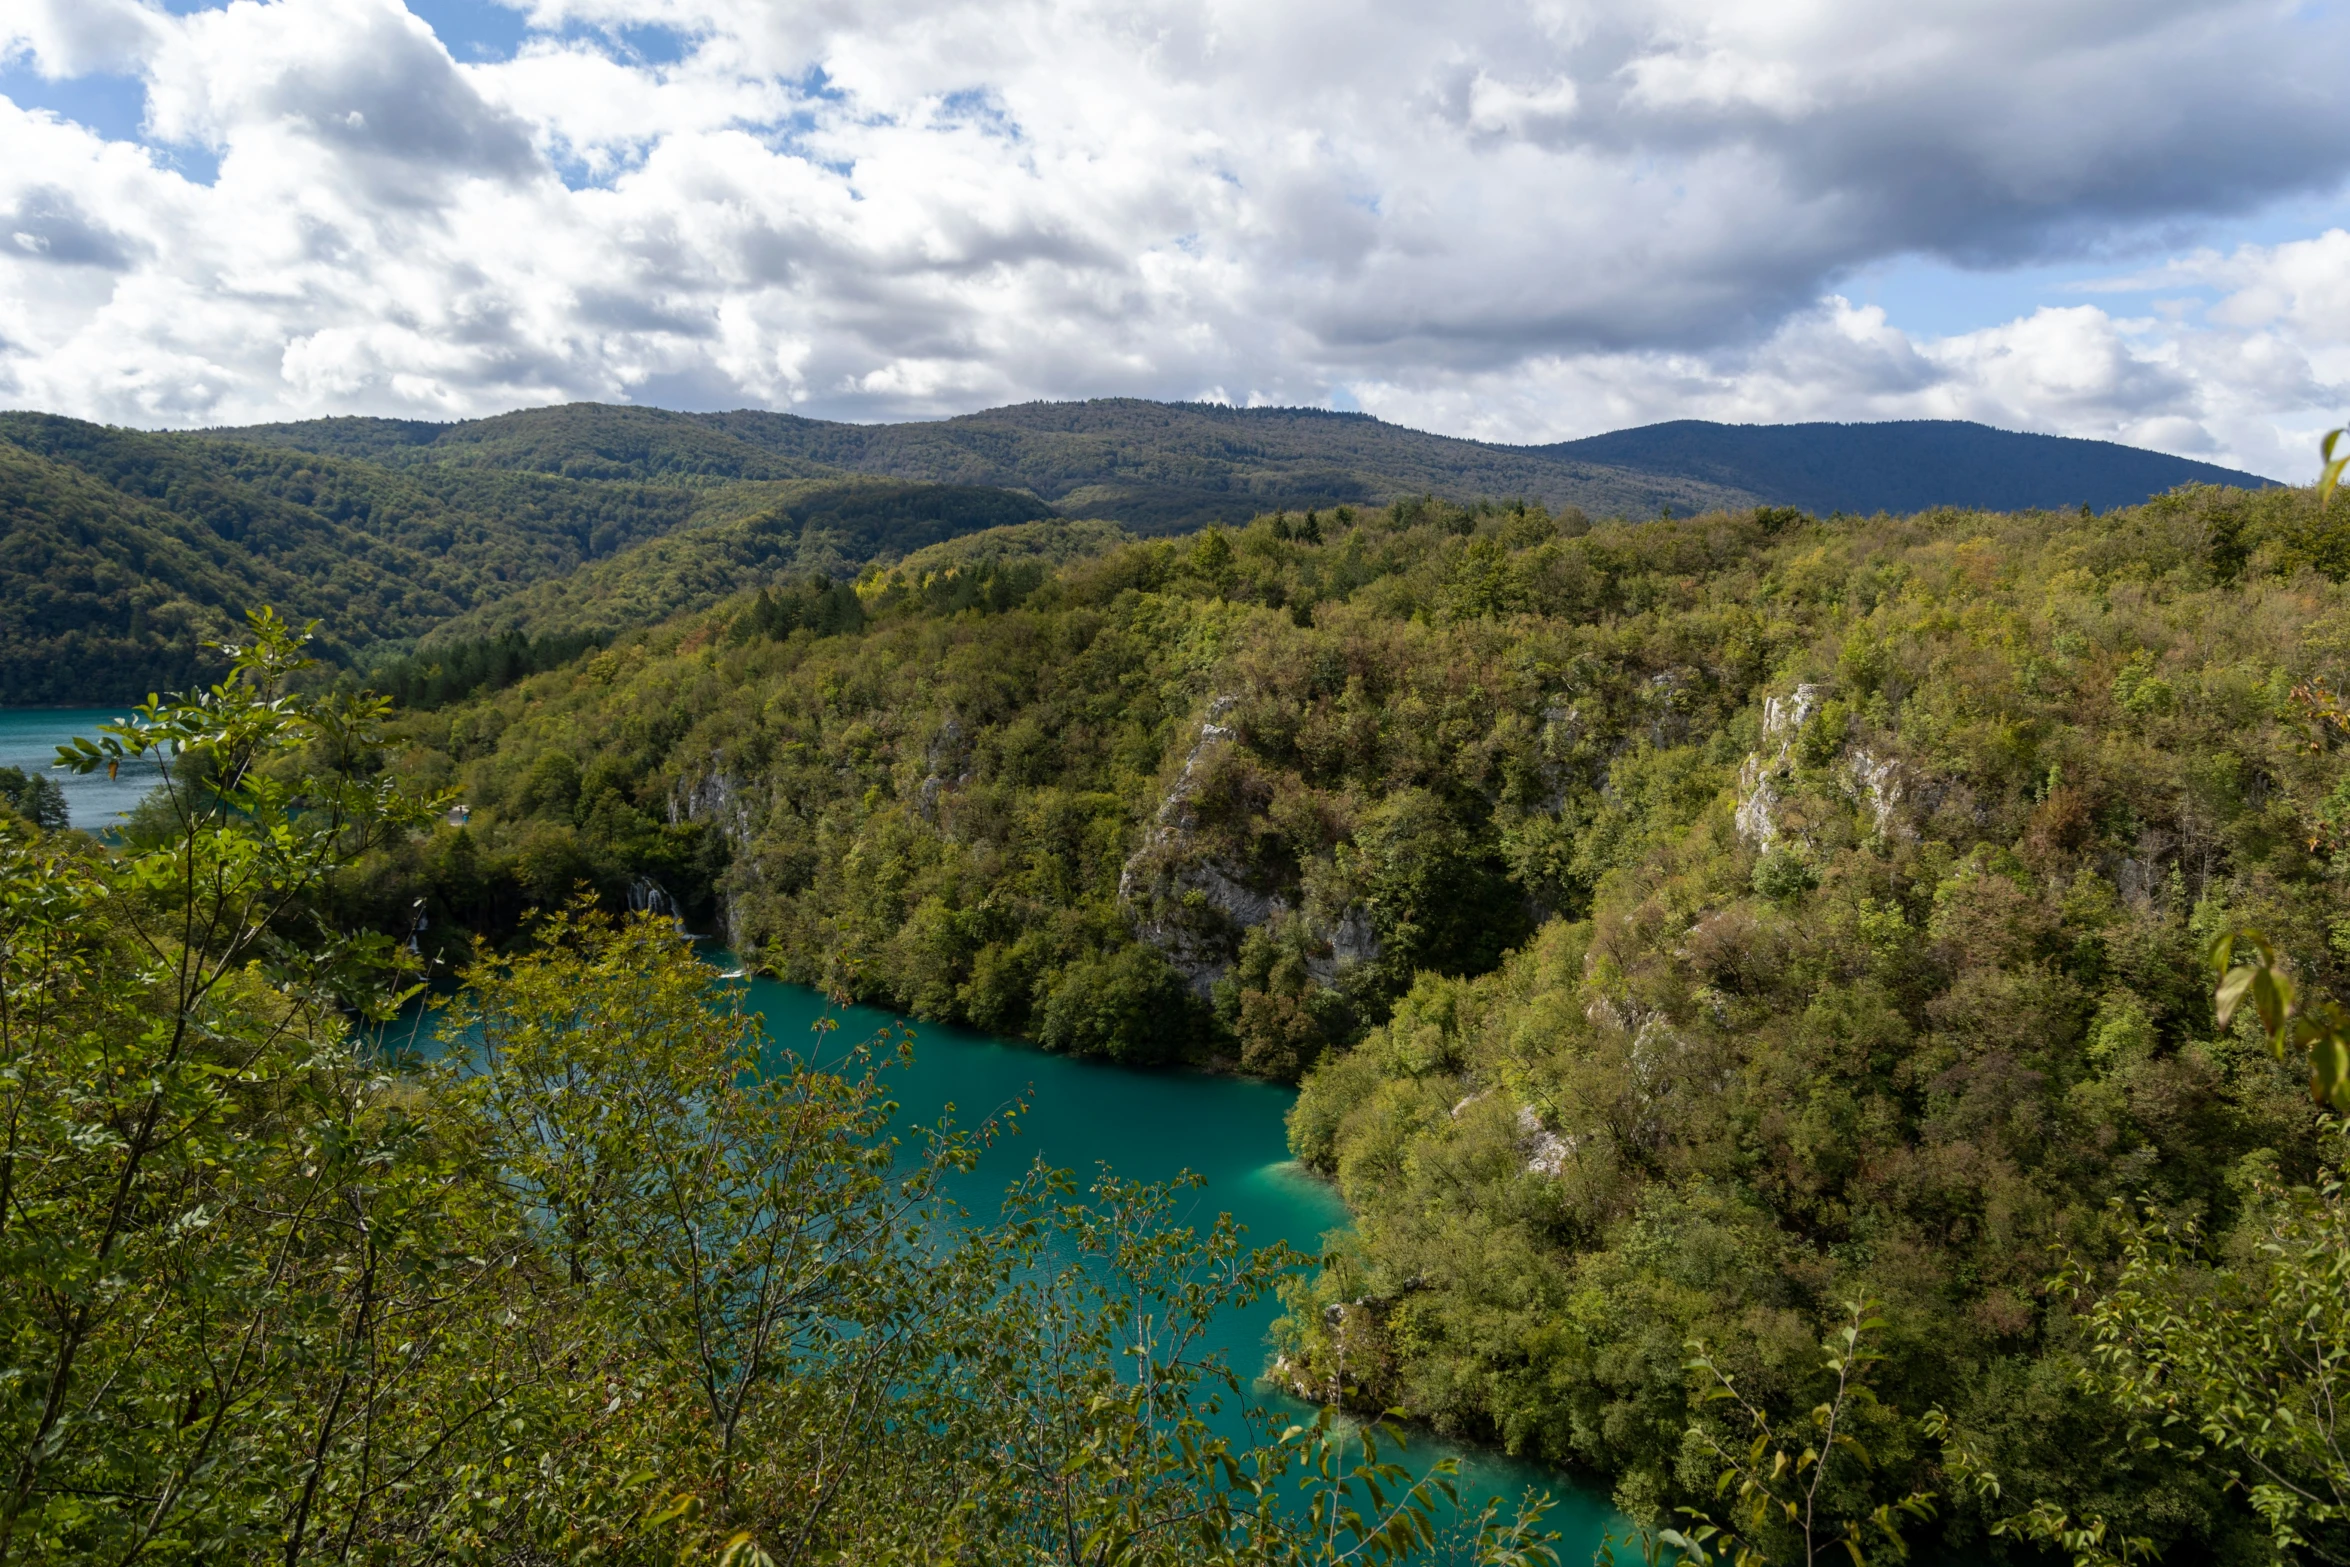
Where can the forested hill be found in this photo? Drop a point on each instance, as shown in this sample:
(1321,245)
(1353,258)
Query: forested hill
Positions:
(576,440)
(1903,466)
(1155,467)
(1171,467)
(126,550)
(123,552)
(1681,928)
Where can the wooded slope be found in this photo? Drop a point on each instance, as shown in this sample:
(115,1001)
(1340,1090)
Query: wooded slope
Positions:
(1171,467)
(1681,928)
(125,551)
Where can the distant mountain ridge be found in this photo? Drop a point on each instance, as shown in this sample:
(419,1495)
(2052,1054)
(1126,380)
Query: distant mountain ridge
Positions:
(123,553)
(1172,467)
(1155,467)
(1902,466)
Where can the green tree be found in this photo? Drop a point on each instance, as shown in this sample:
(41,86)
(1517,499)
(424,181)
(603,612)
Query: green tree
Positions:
(613,1277)
(36,797)
(189,1139)
(1790,1478)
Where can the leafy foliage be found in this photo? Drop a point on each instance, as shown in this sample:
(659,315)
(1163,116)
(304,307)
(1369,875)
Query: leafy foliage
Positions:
(2238,1360)
(168,1108)
(612,1278)
(2318,1030)
(455,670)
(747,537)
(127,552)
(1784,1482)
(1680,928)
(36,797)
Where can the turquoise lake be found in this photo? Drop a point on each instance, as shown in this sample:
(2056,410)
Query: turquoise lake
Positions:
(1081,1115)
(29,738)
(1153,1126)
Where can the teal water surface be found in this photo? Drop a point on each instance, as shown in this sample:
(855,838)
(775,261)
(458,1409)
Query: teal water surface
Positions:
(1153,1125)
(1148,1125)
(29,738)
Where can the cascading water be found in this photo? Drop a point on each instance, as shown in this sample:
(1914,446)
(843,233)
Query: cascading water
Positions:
(647,896)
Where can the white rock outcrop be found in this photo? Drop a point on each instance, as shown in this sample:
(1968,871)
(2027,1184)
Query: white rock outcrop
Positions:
(1547,1151)
(1757,814)
(1176,895)
(1190,903)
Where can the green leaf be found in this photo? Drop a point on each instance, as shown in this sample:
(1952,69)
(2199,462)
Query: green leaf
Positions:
(2231,992)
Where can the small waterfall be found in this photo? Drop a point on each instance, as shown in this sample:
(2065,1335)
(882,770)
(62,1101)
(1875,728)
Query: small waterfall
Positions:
(647,896)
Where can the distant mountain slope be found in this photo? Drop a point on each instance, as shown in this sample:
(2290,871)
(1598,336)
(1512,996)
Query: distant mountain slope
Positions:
(592,441)
(832,528)
(1902,467)
(1156,467)
(104,596)
(122,552)
(1172,467)
(126,549)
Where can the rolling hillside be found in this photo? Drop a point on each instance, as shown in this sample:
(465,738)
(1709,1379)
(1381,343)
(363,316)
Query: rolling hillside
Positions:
(123,552)
(1155,467)
(592,441)
(829,529)
(1902,467)
(1172,467)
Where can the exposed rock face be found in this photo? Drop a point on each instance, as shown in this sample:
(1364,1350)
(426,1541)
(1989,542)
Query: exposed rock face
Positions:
(1347,944)
(942,757)
(717,797)
(1193,902)
(1189,904)
(1757,815)
(1547,1151)
(1661,700)
(1879,782)
(1883,785)
(1783,716)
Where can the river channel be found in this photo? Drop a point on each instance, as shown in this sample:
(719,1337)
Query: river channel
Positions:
(1081,1115)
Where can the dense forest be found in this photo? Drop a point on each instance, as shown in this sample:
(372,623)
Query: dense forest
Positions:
(610,1276)
(1154,467)
(124,553)
(1680,929)
(1172,467)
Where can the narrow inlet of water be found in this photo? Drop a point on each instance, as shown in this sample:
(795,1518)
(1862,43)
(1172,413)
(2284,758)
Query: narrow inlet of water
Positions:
(1154,1125)
(1082,1115)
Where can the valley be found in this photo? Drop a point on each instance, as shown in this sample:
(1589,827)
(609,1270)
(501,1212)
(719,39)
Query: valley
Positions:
(1672,929)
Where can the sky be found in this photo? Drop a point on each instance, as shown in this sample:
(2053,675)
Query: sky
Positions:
(1518,220)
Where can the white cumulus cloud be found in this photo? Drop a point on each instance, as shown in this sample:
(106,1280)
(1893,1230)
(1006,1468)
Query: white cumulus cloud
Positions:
(1527,219)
